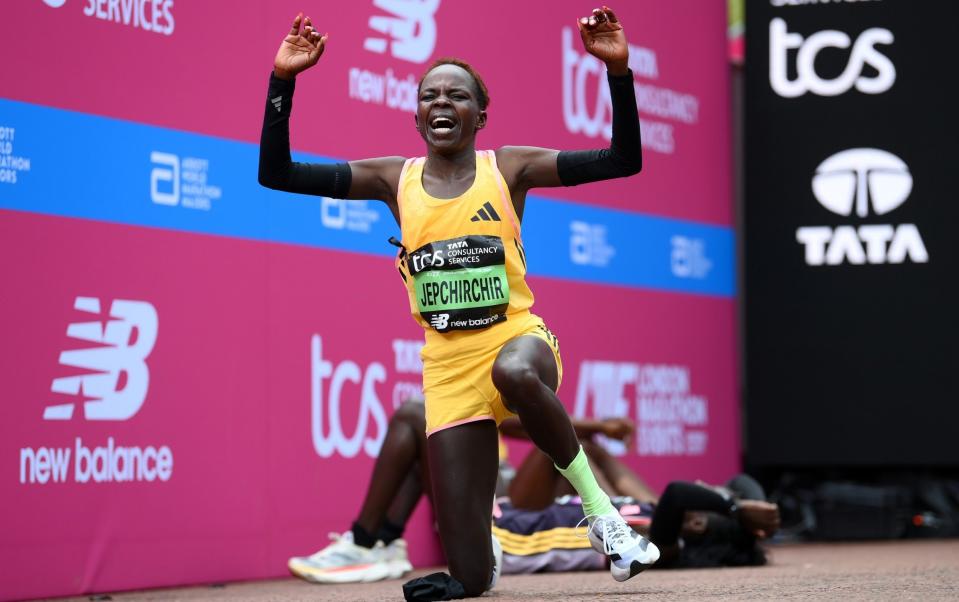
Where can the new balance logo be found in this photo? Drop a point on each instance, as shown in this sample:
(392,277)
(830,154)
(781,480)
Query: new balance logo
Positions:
(277,103)
(486,213)
(122,345)
(440,321)
(412,27)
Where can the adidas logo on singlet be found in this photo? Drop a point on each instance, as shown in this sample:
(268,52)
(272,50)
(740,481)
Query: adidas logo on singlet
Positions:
(486,213)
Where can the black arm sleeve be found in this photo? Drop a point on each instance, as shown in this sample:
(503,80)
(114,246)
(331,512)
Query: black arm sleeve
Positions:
(679,497)
(624,156)
(277,170)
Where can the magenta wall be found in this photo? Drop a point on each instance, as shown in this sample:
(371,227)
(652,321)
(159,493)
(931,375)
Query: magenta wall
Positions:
(211,309)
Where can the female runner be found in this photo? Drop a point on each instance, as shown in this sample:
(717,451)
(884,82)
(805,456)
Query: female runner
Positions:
(486,356)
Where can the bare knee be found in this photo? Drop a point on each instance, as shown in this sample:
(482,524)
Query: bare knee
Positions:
(470,566)
(412,413)
(516,379)
(463,543)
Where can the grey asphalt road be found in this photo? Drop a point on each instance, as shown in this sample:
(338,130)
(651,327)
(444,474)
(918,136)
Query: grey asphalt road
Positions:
(891,570)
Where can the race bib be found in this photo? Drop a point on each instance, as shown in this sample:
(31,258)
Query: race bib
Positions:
(461,283)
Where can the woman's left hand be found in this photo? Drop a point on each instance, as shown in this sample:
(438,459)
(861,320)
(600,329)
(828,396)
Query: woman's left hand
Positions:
(604,38)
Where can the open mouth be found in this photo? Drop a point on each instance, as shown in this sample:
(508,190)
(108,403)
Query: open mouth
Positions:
(442,125)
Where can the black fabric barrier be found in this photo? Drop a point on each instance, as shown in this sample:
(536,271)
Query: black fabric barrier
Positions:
(851,223)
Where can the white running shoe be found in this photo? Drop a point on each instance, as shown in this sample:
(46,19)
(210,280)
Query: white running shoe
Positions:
(342,562)
(629,552)
(396,559)
(497,563)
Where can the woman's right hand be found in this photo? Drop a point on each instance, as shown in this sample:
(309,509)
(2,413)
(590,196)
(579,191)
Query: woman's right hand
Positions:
(300,49)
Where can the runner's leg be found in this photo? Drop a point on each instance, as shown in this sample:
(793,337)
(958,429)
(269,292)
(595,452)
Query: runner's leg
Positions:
(463,468)
(525,374)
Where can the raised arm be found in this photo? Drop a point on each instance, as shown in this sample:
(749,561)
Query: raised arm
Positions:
(526,167)
(364,179)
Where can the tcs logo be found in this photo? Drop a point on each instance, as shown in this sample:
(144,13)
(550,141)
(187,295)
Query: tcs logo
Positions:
(426,259)
(863,53)
(326,422)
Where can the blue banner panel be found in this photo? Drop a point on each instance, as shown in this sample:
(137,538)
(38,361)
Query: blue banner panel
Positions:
(63,163)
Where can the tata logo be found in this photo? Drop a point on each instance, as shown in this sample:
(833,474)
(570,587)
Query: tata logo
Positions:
(864,52)
(860,177)
(121,346)
(327,400)
(864,182)
(412,29)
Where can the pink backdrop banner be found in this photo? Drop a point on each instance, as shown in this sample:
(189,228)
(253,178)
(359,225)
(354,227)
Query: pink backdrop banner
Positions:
(241,390)
(203,67)
(175,397)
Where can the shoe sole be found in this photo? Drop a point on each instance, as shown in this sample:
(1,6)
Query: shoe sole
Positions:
(635,567)
(360,574)
(398,568)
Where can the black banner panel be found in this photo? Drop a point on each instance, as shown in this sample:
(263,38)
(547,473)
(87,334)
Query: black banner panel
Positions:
(851,223)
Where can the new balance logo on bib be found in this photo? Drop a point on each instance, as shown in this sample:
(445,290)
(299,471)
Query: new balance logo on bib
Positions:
(460,283)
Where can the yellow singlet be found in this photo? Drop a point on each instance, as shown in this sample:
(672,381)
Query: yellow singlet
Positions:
(464,268)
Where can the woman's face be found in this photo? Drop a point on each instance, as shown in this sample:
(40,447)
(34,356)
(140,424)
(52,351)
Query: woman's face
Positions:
(448,113)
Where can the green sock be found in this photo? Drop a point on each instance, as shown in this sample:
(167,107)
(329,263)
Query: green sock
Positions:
(578,473)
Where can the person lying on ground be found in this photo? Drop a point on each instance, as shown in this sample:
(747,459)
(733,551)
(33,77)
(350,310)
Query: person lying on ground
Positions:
(374,548)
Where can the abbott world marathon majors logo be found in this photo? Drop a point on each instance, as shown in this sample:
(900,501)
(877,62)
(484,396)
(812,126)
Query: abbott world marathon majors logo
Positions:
(182,182)
(111,375)
(407,30)
(155,16)
(346,392)
(671,420)
(861,182)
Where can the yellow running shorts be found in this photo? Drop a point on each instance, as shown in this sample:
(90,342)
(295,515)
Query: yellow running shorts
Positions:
(457,371)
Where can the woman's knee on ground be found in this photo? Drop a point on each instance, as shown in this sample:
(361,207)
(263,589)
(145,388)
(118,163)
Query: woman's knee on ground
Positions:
(475,576)
(468,564)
